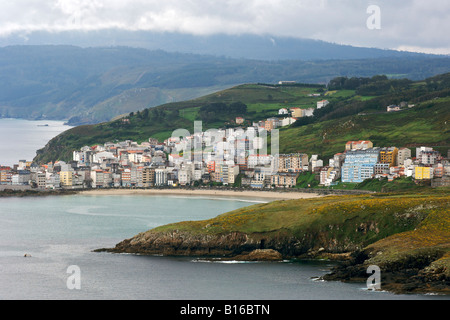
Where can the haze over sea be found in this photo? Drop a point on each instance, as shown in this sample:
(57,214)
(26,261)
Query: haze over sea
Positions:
(20,139)
(62,231)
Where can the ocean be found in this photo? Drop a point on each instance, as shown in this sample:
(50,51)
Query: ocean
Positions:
(20,139)
(59,233)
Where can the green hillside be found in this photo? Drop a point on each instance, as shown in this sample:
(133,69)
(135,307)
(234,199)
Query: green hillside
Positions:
(314,216)
(160,122)
(426,124)
(357,111)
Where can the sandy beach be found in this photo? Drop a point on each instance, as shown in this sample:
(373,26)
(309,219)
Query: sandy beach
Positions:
(270,195)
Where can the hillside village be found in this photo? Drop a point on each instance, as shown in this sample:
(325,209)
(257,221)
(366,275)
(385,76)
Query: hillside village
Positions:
(232,157)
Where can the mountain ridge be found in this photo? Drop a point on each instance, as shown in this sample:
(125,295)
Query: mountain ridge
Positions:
(69,82)
(248,46)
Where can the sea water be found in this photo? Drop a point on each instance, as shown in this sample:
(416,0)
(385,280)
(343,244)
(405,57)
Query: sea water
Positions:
(20,139)
(58,232)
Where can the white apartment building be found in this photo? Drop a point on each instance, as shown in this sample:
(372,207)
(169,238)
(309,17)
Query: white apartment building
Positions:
(184,177)
(161,177)
(322,104)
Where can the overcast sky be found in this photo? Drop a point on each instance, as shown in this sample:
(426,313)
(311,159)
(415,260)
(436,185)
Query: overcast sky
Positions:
(414,25)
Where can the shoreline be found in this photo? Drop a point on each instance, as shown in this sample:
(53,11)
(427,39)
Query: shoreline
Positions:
(272,195)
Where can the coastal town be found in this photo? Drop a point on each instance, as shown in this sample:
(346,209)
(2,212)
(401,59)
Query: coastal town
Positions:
(234,157)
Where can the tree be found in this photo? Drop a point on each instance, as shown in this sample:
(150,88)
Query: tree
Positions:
(222,111)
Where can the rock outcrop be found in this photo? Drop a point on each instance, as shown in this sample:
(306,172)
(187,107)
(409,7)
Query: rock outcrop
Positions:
(260,255)
(424,272)
(179,243)
(231,245)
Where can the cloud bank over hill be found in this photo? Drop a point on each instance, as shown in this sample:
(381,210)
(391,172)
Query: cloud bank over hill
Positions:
(403,25)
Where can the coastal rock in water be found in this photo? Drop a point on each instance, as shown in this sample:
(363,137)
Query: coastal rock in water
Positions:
(409,273)
(260,255)
(178,243)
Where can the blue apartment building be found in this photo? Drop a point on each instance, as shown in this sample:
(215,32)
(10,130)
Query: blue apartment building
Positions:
(359,165)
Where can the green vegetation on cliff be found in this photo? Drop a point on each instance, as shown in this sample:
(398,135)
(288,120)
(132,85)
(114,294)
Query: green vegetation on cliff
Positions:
(397,231)
(337,221)
(413,261)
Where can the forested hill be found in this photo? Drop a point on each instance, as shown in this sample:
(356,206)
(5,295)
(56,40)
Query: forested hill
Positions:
(93,85)
(357,111)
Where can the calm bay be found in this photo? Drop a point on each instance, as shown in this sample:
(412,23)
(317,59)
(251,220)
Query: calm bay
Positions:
(20,139)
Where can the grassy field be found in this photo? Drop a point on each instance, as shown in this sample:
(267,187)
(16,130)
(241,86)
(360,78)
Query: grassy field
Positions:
(336,223)
(190,114)
(307,180)
(432,232)
(262,101)
(426,124)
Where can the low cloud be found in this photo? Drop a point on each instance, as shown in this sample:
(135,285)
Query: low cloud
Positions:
(415,24)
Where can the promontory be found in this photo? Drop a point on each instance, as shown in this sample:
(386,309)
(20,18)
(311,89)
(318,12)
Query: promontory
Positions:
(406,235)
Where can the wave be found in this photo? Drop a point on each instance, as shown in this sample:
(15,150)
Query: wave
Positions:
(222,261)
(85,211)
